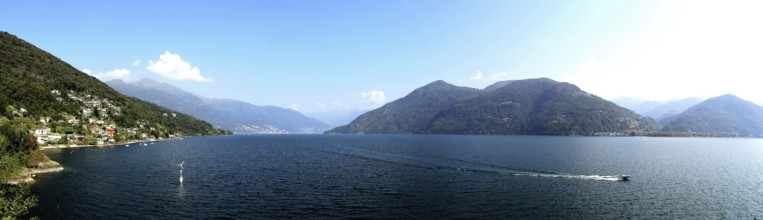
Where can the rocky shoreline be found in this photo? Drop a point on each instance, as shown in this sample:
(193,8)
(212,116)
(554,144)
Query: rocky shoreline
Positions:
(30,173)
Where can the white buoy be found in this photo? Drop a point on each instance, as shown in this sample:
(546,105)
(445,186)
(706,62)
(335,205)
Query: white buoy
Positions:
(181,171)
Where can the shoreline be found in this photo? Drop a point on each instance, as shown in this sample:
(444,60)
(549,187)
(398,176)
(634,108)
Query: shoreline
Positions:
(64,146)
(30,173)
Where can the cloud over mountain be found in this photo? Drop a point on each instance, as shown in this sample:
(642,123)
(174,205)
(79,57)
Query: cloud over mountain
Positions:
(172,66)
(114,74)
(375,96)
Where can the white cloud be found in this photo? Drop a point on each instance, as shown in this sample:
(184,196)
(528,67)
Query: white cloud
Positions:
(319,104)
(136,63)
(375,96)
(173,67)
(117,74)
(114,74)
(477,77)
(295,107)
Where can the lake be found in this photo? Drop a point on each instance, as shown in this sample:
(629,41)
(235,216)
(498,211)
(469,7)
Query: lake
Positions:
(408,177)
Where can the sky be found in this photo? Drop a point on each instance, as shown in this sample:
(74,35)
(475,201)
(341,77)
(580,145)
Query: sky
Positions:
(323,56)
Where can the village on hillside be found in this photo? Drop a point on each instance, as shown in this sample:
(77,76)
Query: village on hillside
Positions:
(93,125)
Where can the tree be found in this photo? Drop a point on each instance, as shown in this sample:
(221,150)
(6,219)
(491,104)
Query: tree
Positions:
(64,140)
(10,166)
(9,111)
(15,201)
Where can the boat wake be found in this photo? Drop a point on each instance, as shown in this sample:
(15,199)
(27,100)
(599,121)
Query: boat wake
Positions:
(463,165)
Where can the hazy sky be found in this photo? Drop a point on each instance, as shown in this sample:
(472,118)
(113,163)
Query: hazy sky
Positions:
(336,55)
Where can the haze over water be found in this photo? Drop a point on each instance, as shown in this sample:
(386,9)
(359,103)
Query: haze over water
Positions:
(408,176)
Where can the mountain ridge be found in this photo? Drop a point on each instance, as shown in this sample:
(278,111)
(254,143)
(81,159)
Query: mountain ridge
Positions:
(658,110)
(726,115)
(230,114)
(531,106)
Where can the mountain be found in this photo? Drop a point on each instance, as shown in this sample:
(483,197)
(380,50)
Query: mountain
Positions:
(234,115)
(638,105)
(727,115)
(498,85)
(671,108)
(532,106)
(252,117)
(656,109)
(336,118)
(411,114)
(631,103)
(37,85)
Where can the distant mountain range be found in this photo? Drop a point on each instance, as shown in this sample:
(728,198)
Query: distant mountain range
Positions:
(671,108)
(725,114)
(337,117)
(656,109)
(533,106)
(229,114)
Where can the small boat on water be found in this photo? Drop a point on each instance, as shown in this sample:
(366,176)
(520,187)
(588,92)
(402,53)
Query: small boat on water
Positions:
(625,177)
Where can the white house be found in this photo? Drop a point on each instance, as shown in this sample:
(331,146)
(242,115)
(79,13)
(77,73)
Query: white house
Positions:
(42,131)
(73,121)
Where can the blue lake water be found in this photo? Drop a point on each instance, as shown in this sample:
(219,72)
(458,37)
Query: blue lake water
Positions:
(408,176)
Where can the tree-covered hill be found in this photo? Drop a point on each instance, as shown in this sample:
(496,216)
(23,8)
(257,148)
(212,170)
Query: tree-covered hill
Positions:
(410,114)
(533,106)
(725,115)
(35,84)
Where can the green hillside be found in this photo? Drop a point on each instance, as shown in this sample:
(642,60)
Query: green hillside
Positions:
(725,115)
(30,77)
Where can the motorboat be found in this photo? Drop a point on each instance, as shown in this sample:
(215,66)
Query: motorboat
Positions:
(625,177)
